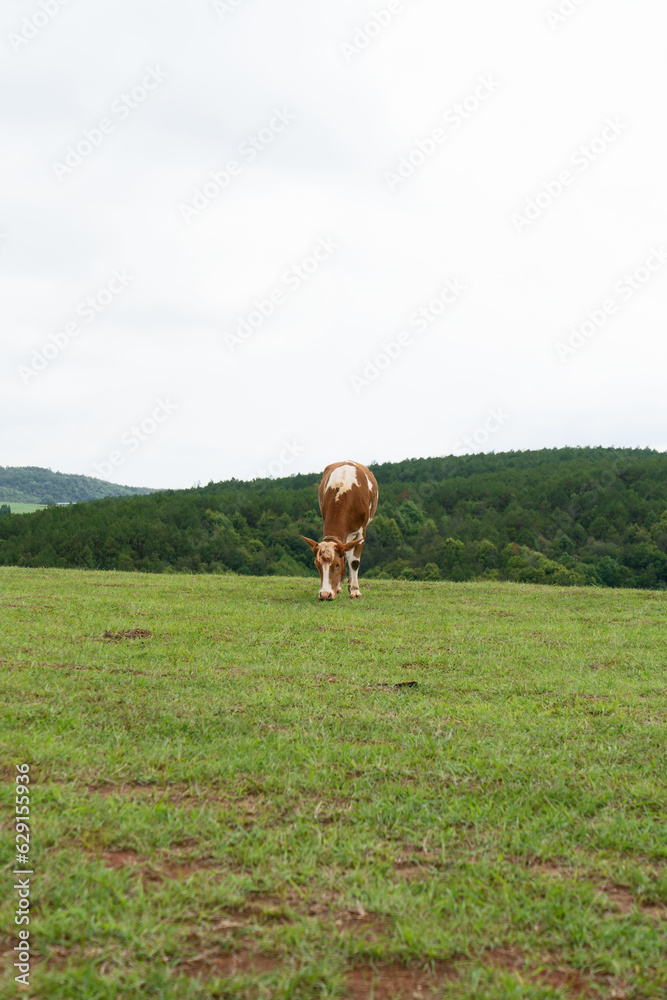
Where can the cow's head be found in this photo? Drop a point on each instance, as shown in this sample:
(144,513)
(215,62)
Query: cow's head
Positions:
(330,562)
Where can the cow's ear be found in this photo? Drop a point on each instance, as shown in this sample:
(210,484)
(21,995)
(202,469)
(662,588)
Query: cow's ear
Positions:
(340,549)
(350,545)
(312,543)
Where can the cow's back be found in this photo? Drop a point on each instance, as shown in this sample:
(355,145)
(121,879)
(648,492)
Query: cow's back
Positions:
(348,496)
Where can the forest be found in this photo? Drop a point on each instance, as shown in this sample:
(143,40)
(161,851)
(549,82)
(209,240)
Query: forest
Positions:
(568,516)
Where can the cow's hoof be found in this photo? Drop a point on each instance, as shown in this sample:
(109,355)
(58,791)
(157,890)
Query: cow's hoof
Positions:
(355,593)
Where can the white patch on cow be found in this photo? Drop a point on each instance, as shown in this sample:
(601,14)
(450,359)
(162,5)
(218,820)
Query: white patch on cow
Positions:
(354,575)
(341,479)
(326,586)
(370,485)
(358,535)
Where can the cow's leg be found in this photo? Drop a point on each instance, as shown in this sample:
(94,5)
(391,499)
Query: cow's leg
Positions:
(353,560)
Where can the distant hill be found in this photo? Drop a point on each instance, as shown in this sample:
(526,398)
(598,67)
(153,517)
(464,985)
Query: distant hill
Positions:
(30,484)
(565,516)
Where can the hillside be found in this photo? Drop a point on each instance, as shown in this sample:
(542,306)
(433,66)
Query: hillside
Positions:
(565,516)
(31,484)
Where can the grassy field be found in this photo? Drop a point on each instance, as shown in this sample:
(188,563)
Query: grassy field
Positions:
(441,790)
(24,508)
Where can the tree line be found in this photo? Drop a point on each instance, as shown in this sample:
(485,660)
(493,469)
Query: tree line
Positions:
(569,516)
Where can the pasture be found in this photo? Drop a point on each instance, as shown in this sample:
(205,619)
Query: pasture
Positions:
(442,790)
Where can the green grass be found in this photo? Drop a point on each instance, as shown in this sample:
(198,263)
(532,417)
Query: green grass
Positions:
(25,508)
(244,805)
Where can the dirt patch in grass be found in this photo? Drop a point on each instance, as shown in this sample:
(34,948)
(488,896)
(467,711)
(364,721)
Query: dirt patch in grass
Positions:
(79,666)
(70,666)
(412,871)
(545,640)
(33,607)
(362,924)
(240,807)
(157,869)
(130,788)
(265,908)
(624,899)
(243,961)
(58,957)
(258,909)
(131,633)
(178,794)
(181,869)
(121,859)
(620,896)
(552,973)
(391,981)
(556,868)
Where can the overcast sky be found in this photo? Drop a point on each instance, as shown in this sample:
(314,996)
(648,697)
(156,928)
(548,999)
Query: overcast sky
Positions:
(244,238)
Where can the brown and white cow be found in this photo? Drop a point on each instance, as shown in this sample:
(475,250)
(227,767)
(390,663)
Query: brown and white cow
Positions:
(348,498)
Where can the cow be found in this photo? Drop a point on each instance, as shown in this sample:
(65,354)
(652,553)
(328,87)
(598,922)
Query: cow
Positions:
(348,496)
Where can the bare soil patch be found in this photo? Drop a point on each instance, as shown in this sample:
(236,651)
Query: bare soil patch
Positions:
(258,908)
(178,794)
(624,899)
(157,869)
(213,962)
(573,982)
(391,981)
(131,633)
(357,920)
(122,859)
(33,607)
(620,896)
(411,871)
(556,868)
